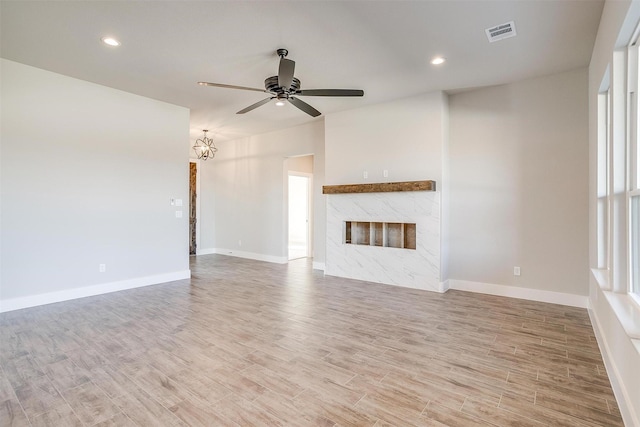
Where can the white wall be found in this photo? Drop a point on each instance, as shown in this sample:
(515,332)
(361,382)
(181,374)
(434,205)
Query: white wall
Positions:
(445,192)
(302,164)
(87,173)
(622,359)
(243,189)
(519,173)
(244,193)
(408,138)
(404,137)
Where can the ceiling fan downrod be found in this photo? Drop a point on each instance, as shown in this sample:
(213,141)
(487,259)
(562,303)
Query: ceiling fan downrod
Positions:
(282,53)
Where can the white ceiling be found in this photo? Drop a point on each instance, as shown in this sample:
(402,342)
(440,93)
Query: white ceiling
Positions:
(382,47)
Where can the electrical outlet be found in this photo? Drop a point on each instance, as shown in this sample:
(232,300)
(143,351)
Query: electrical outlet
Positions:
(102,268)
(178,214)
(239,242)
(365,174)
(516,271)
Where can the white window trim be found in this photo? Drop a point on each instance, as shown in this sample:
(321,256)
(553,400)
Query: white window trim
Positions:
(603,186)
(634,294)
(635,298)
(622,120)
(632,147)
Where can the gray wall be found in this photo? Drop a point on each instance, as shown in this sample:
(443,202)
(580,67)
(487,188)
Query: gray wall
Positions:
(519,184)
(302,164)
(87,175)
(404,137)
(244,193)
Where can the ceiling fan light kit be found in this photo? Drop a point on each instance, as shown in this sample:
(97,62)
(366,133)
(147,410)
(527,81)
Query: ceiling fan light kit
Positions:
(286,87)
(110,41)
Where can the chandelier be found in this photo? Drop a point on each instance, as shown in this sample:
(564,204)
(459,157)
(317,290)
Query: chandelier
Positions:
(204,147)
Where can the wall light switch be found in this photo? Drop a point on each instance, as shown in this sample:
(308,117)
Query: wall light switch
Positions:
(178,202)
(178,214)
(172,201)
(385,173)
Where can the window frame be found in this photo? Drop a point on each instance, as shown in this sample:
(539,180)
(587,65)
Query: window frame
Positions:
(633,198)
(603,184)
(633,169)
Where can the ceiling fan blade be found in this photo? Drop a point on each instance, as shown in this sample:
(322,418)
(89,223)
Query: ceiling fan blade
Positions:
(285,72)
(330,92)
(305,107)
(254,106)
(232,87)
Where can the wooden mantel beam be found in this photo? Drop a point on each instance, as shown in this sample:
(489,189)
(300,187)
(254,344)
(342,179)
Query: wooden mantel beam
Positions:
(382,187)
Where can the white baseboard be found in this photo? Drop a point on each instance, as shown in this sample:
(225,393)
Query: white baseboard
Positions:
(206,251)
(242,254)
(444,286)
(623,400)
(88,291)
(521,293)
(318,265)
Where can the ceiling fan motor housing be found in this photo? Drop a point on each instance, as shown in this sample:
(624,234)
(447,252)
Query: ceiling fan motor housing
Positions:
(271,85)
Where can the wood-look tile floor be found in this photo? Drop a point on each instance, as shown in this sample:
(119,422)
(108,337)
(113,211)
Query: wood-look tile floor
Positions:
(251,343)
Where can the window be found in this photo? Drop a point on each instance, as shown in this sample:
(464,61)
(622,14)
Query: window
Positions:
(603,200)
(618,176)
(633,169)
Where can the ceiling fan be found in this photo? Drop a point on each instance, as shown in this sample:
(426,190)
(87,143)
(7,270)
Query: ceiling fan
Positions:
(285,87)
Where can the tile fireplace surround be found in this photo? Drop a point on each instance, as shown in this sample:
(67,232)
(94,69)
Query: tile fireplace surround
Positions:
(419,268)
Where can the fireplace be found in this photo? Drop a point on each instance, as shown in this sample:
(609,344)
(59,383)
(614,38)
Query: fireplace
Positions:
(383,234)
(390,237)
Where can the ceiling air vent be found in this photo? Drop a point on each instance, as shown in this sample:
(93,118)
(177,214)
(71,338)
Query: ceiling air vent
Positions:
(500,32)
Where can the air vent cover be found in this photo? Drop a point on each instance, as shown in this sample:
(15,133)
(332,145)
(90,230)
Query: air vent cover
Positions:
(500,32)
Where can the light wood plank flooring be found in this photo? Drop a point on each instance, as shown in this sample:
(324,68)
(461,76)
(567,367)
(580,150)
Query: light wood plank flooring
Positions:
(251,343)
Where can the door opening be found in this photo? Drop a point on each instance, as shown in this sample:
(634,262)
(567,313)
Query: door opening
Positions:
(299,210)
(193,218)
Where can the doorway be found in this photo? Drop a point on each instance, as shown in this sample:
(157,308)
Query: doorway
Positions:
(194,207)
(299,214)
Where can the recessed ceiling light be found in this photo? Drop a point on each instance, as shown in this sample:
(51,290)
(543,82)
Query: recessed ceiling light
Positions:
(438,60)
(110,41)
